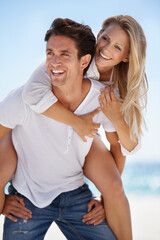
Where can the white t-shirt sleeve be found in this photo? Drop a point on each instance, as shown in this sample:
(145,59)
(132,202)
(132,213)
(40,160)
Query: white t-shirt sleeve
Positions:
(108,127)
(12,109)
(37,92)
(125,152)
(105,122)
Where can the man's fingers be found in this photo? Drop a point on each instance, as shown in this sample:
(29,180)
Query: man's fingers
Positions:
(94,218)
(99,221)
(92,214)
(20,200)
(95,215)
(11,217)
(18,213)
(97,211)
(95,221)
(16,206)
(21,214)
(90,205)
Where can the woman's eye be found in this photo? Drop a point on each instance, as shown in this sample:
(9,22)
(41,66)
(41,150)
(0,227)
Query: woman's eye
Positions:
(117,47)
(104,38)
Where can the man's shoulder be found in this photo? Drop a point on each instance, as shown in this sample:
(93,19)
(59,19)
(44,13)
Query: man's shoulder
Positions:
(12,109)
(14,100)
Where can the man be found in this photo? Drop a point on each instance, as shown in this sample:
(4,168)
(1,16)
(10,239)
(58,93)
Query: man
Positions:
(49,175)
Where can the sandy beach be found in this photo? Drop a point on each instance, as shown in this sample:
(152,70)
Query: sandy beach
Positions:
(145,212)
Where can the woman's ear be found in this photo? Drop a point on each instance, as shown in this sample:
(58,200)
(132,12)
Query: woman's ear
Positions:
(85,60)
(126,59)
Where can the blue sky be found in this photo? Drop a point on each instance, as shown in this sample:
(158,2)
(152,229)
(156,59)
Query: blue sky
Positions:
(23,25)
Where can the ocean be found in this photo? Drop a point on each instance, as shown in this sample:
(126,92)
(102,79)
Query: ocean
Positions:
(139,178)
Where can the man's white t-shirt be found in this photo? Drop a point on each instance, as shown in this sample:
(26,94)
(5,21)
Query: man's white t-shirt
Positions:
(50,154)
(37,93)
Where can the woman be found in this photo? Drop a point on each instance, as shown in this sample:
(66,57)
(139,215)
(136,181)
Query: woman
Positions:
(120,62)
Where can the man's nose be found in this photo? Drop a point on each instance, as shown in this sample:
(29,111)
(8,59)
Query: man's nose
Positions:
(56,61)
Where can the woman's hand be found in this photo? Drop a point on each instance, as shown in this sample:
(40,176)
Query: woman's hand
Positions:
(110,105)
(14,205)
(85,126)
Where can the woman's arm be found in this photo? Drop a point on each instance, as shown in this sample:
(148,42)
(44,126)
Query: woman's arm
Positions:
(37,93)
(83,125)
(115,150)
(111,106)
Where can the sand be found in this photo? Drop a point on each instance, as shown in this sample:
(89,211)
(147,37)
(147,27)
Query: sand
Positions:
(145,211)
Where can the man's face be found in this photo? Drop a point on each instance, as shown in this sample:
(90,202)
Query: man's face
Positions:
(62,61)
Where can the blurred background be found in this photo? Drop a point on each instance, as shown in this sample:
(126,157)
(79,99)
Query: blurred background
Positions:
(23,25)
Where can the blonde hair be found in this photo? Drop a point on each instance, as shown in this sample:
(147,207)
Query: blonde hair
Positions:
(131,77)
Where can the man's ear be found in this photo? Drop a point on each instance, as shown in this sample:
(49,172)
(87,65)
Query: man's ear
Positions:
(85,60)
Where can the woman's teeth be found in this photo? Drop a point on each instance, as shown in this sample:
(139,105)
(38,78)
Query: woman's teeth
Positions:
(104,56)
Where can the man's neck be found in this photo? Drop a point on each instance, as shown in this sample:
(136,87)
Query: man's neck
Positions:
(71,97)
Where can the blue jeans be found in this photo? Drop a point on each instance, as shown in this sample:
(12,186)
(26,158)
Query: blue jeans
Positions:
(66,210)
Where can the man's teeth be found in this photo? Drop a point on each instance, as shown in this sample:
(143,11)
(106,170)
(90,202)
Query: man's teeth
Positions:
(56,72)
(104,56)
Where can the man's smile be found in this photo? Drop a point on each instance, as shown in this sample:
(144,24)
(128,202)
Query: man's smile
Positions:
(57,72)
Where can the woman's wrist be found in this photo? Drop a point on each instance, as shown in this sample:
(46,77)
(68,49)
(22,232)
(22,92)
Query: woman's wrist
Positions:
(119,123)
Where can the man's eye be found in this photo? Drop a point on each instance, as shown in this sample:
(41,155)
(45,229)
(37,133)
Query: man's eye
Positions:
(65,54)
(49,53)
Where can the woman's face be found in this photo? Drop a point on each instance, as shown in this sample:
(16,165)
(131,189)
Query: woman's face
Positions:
(112,47)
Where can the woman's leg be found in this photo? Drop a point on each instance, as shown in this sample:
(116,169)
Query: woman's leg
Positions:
(101,169)
(8,163)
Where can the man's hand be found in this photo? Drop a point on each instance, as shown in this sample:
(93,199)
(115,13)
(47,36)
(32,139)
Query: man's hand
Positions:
(15,205)
(95,215)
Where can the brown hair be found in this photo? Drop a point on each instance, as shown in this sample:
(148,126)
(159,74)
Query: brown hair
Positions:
(81,34)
